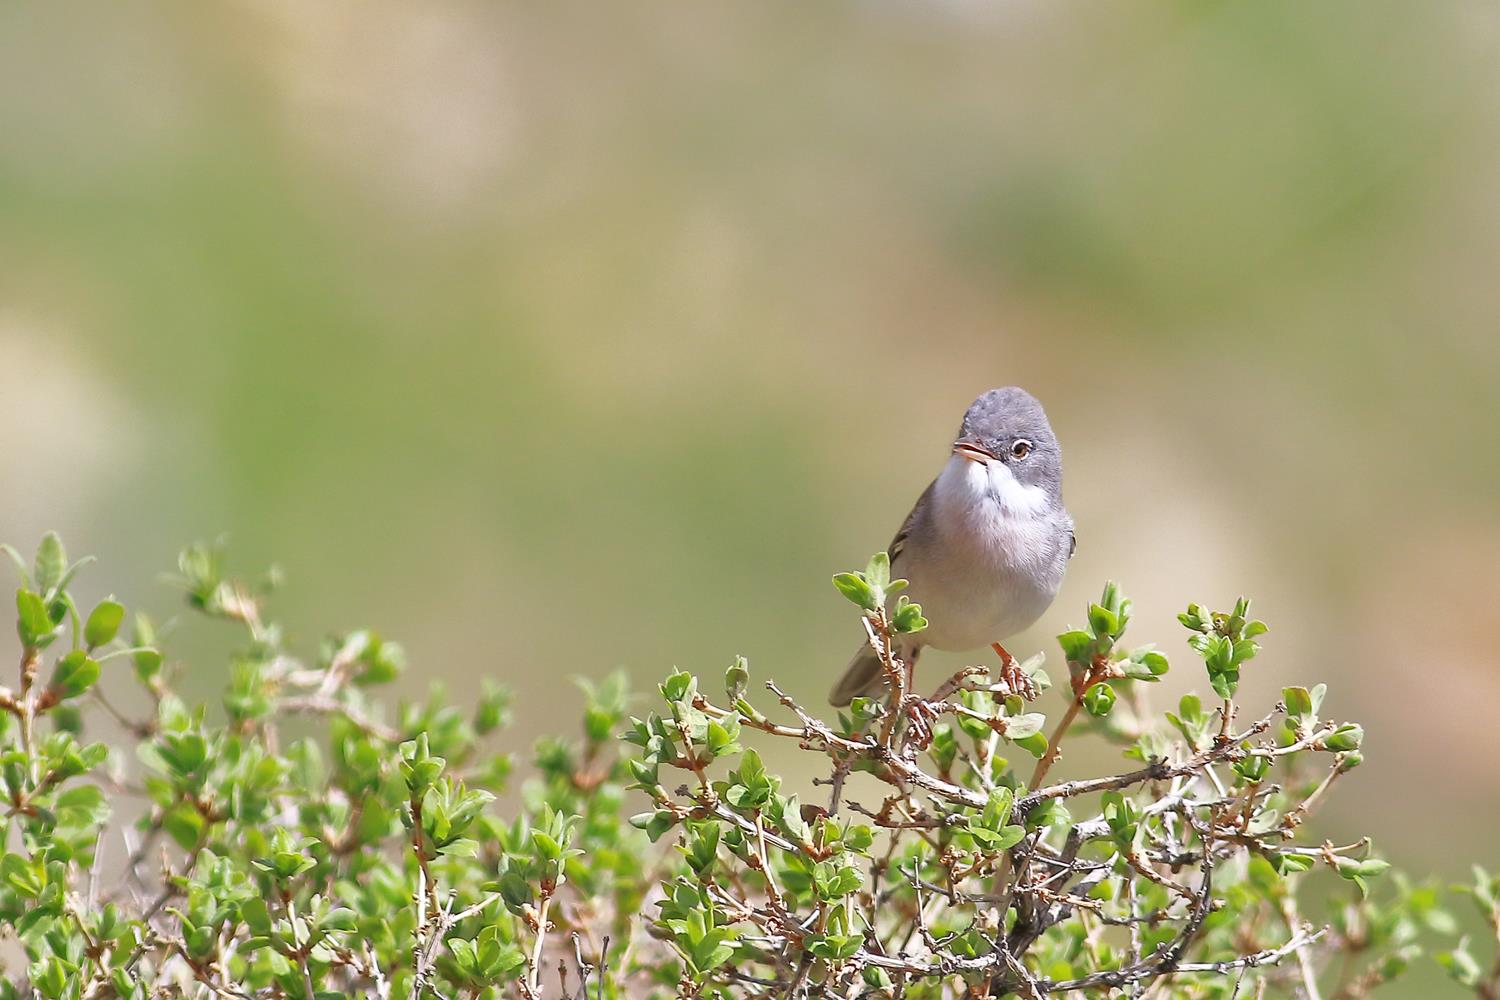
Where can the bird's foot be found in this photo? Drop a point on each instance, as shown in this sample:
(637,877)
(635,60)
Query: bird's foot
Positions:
(920,715)
(1015,679)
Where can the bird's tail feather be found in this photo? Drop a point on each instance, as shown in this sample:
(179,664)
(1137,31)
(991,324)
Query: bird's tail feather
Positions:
(863,677)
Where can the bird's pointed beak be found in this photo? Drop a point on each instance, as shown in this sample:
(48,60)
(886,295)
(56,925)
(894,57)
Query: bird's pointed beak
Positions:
(973,449)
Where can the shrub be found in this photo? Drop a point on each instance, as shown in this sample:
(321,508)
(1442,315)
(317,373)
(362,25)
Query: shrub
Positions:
(297,841)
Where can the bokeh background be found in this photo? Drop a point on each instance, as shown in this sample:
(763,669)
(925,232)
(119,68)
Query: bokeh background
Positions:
(550,338)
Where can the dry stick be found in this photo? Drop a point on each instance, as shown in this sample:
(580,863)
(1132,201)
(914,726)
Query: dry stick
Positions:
(1054,750)
(536,952)
(955,683)
(1302,744)
(30,661)
(1269,956)
(812,729)
(880,640)
(603,967)
(1160,964)
(1163,962)
(1155,771)
(321,704)
(1054,743)
(1226,713)
(1299,815)
(1304,960)
(1135,928)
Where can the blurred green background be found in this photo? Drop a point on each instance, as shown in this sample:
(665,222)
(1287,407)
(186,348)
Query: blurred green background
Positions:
(548,338)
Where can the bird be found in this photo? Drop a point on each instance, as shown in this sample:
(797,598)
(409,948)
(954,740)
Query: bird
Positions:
(986,545)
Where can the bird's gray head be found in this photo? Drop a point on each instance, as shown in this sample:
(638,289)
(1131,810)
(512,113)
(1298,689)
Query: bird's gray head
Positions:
(1009,426)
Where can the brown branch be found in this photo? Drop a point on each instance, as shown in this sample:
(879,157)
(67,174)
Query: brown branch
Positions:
(323,704)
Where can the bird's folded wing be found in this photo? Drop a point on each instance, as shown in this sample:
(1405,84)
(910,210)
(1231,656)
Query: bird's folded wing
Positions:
(918,510)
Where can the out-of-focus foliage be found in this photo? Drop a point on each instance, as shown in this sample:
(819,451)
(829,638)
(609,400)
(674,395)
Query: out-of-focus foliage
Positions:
(367,855)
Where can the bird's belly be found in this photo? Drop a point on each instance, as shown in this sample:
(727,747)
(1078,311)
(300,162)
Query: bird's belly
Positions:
(961,618)
(977,595)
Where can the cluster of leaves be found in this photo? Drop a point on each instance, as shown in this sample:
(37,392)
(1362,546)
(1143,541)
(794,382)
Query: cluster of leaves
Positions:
(292,842)
(296,841)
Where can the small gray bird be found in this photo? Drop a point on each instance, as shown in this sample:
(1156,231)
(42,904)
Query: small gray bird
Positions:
(987,543)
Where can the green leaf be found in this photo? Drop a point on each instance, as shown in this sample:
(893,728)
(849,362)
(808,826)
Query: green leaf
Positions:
(677,686)
(1290,864)
(1035,744)
(51,563)
(147,663)
(997,808)
(1099,699)
(856,590)
(1346,737)
(1048,812)
(1103,621)
(1008,837)
(1145,664)
(1077,646)
(1225,683)
(33,624)
(737,678)
(908,616)
(21,566)
(460,848)
(75,673)
(547,848)
(1461,965)
(81,806)
(103,623)
(256,916)
(24,877)
(1253,768)
(1019,727)
(791,822)
(515,890)
(184,824)
(721,741)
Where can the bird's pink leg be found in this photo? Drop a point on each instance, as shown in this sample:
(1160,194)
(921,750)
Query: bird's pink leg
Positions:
(1012,676)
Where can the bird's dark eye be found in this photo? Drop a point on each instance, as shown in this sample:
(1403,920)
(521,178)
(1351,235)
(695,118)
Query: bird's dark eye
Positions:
(1021,448)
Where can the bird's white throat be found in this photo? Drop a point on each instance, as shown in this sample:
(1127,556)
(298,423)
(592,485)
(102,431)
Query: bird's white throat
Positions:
(987,489)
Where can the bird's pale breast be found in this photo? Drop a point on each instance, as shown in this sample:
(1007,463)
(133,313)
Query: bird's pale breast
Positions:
(992,560)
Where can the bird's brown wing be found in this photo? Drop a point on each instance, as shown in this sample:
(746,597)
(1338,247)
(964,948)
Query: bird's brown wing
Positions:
(919,509)
(865,674)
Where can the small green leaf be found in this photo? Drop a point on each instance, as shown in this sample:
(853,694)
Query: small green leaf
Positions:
(1099,699)
(1346,737)
(1035,744)
(51,562)
(75,673)
(908,616)
(1077,646)
(1103,621)
(856,590)
(256,916)
(515,890)
(737,678)
(1019,727)
(103,623)
(33,623)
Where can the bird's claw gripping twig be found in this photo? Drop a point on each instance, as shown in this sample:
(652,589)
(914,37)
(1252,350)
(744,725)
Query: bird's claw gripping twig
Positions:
(1011,674)
(920,715)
